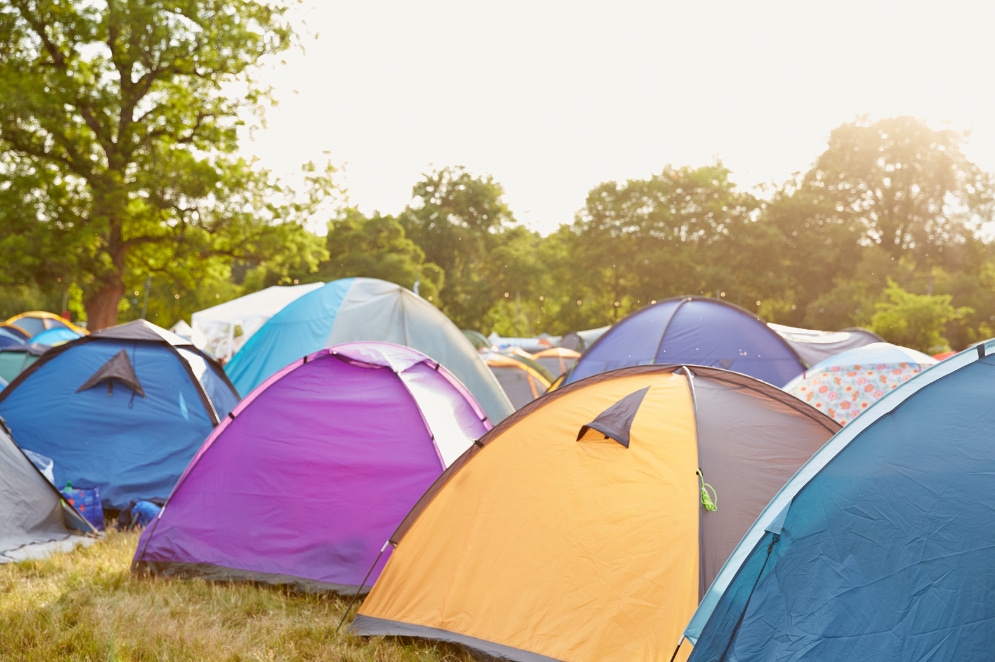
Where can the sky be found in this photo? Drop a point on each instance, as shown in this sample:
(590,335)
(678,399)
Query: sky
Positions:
(552,98)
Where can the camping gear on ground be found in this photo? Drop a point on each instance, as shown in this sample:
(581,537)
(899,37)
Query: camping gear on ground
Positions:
(588,524)
(352,309)
(880,547)
(845,384)
(35,519)
(306,479)
(86,501)
(123,409)
(693,331)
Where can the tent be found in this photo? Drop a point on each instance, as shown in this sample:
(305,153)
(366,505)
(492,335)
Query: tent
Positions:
(54,336)
(122,409)
(815,346)
(694,331)
(577,528)
(558,360)
(15,359)
(35,519)
(313,470)
(581,340)
(477,339)
(11,336)
(880,547)
(34,322)
(845,384)
(365,309)
(520,380)
(221,330)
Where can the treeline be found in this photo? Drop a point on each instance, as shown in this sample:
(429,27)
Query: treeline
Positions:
(886,231)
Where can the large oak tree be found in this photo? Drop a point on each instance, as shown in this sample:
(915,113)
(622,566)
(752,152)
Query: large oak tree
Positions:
(118,138)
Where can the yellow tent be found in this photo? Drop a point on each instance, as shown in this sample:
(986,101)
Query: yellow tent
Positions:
(580,528)
(34,322)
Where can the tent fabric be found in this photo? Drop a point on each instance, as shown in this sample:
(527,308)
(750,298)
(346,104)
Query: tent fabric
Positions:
(816,346)
(521,381)
(35,322)
(537,545)
(131,446)
(879,548)
(557,360)
(222,329)
(305,481)
(353,309)
(117,369)
(34,518)
(845,384)
(693,331)
(581,340)
(16,359)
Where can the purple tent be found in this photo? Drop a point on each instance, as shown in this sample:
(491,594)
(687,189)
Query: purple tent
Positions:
(307,478)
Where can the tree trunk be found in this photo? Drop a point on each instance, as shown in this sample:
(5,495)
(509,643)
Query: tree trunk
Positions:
(101,306)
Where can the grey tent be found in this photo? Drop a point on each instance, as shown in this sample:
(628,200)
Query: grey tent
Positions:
(815,346)
(35,520)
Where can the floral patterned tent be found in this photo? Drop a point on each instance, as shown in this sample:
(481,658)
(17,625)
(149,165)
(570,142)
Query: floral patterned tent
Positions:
(846,384)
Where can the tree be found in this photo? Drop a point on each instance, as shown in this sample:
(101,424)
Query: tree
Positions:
(901,185)
(646,240)
(915,320)
(457,219)
(118,132)
(377,247)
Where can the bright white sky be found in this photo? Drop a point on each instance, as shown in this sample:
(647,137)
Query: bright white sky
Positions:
(553,98)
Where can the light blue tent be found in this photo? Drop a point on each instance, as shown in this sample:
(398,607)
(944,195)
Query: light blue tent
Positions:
(123,409)
(353,309)
(881,545)
(692,331)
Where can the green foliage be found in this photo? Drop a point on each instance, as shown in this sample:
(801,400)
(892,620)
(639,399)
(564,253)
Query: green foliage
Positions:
(117,136)
(377,247)
(901,185)
(458,220)
(915,320)
(647,240)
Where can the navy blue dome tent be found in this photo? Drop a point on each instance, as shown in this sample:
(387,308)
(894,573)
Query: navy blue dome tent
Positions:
(693,331)
(123,409)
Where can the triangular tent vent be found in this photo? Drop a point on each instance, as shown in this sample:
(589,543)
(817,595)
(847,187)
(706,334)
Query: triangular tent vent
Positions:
(616,421)
(117,368)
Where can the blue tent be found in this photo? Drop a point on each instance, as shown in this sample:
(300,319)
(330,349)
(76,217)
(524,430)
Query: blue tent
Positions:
(693,331)
(881,545)
(354,309)
(123,409)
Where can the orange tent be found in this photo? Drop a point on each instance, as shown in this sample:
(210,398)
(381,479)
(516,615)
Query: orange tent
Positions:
(557,360)
(582,526)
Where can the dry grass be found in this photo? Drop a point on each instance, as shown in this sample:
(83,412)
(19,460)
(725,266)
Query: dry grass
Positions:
(86,605)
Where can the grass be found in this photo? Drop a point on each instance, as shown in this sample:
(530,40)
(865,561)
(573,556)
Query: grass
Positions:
(86,605)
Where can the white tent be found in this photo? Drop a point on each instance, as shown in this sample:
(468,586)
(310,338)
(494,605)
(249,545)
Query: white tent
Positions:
(223,329)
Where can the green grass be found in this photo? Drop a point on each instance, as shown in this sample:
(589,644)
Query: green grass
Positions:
(86,605)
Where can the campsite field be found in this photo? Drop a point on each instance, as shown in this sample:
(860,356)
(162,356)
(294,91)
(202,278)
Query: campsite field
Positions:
(86,605)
